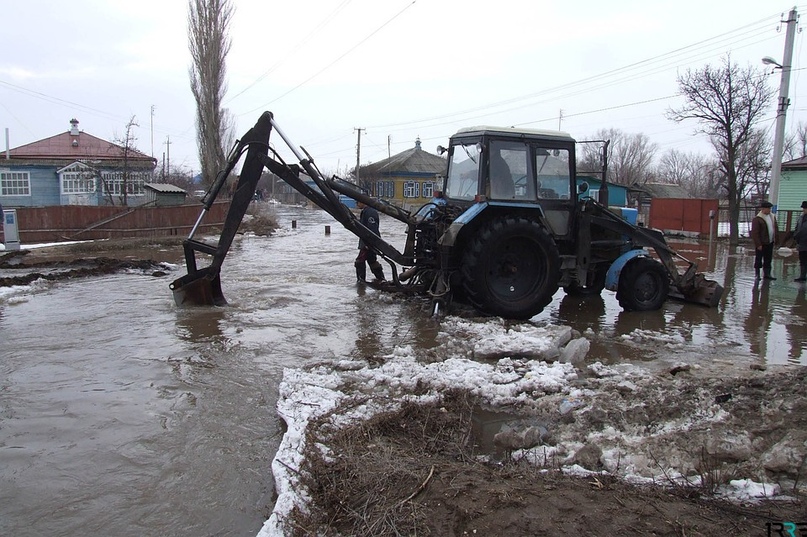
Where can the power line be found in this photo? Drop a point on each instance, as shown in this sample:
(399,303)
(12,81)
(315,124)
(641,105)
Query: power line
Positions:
(351,49)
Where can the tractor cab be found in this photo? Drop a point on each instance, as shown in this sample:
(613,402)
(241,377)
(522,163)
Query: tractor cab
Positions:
(524,168)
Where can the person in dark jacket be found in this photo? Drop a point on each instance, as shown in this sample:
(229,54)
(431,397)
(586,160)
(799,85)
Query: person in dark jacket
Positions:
(763,233)
(800,235)
(368,218)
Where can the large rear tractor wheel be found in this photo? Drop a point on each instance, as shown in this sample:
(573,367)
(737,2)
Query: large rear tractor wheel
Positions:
(511,268)
(643,285)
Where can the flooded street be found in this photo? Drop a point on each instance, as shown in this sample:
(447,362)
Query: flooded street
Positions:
(121,414)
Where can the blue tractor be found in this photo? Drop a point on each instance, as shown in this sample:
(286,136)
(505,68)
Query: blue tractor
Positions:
(509,228)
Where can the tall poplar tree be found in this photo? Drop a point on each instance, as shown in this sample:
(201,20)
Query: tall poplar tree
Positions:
(209,42)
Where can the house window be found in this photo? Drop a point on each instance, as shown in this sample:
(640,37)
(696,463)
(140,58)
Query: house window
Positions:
(385,189)
(411,189)
(15,184)
(113,183)
(428,189)
(78,183)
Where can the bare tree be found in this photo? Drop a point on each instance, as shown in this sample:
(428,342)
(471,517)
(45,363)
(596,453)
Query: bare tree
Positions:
(796,143)
(728,102)
(698,174)
(208,25)
(630,157)
(754,166)
(127,145)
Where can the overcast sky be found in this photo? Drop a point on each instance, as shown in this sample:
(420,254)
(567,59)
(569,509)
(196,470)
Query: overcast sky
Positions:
(401,69)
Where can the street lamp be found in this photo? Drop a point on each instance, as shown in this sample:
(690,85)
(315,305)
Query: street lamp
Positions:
(767,60)
(781,110)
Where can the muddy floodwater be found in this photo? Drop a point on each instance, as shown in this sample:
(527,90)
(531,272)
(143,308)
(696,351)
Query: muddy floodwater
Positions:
(121,414)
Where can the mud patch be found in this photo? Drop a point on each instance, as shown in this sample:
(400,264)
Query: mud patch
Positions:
(78,268)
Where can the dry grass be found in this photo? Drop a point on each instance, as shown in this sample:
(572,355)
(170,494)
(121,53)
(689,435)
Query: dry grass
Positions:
(368,482)
(260,219)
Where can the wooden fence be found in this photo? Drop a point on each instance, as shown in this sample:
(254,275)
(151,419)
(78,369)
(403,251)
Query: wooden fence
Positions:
(74,222)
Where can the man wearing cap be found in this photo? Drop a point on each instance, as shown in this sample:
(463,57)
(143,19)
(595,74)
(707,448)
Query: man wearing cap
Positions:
(763,233)
(801,240)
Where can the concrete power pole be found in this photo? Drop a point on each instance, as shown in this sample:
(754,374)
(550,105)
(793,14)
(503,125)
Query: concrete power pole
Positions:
(781,111)
(358,154)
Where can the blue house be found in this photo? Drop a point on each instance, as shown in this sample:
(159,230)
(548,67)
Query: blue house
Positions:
(74,168)
(617,194)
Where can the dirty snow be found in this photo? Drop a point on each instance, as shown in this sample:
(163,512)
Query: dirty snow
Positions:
(509,367)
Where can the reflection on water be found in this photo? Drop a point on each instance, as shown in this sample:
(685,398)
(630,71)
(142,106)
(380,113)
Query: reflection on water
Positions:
(764,321)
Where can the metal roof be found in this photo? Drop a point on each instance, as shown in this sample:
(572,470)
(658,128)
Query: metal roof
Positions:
(165,188)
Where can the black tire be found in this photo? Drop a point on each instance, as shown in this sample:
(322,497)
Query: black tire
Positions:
(511,268)
(594,285)
(643,285)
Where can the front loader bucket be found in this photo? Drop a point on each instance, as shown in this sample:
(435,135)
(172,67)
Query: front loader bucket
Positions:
(699,291)
(202,288)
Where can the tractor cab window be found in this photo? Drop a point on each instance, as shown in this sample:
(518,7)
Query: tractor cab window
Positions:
(508,171)
(463,172)
(552,172)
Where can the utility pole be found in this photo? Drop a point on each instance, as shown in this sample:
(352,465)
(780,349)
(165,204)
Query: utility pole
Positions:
(560,117)
(358,154)
(389,141)
(168,153)
(781,111)
(152,131)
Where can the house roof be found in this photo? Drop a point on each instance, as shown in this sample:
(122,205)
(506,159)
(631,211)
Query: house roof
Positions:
(75,145)
(165,188)
(795,163)
(662,190)
(414,160)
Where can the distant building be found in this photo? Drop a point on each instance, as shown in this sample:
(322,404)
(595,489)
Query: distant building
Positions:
(73,168)
(163,195)
(408,179)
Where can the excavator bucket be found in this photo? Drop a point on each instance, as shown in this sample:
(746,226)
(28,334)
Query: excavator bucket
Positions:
(202,288)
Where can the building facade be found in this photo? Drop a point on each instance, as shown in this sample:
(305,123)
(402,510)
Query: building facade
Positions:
(408,179)
(74,168)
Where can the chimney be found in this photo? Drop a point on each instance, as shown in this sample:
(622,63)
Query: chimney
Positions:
(74,127)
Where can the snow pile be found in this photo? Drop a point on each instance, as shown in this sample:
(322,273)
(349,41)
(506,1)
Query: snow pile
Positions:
(596,417)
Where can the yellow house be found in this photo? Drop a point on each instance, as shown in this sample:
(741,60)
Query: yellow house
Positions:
(408,179)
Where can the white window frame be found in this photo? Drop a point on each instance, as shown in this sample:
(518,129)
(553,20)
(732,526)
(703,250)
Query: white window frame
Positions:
(411,189)
(113,180)
(20,183)
(428,189)
(77,179)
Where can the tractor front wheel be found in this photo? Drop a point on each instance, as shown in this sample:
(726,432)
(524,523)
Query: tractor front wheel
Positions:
(511,268)
(643,285)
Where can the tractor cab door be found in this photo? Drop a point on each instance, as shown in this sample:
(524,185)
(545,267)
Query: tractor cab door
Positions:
(534,171)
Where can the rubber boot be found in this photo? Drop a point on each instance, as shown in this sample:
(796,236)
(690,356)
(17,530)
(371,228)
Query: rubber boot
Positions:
(378,271)
(768,276)
(757,273)
(361,271)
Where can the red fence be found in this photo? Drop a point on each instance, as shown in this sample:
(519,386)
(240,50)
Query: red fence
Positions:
(689,215)
(74,222)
